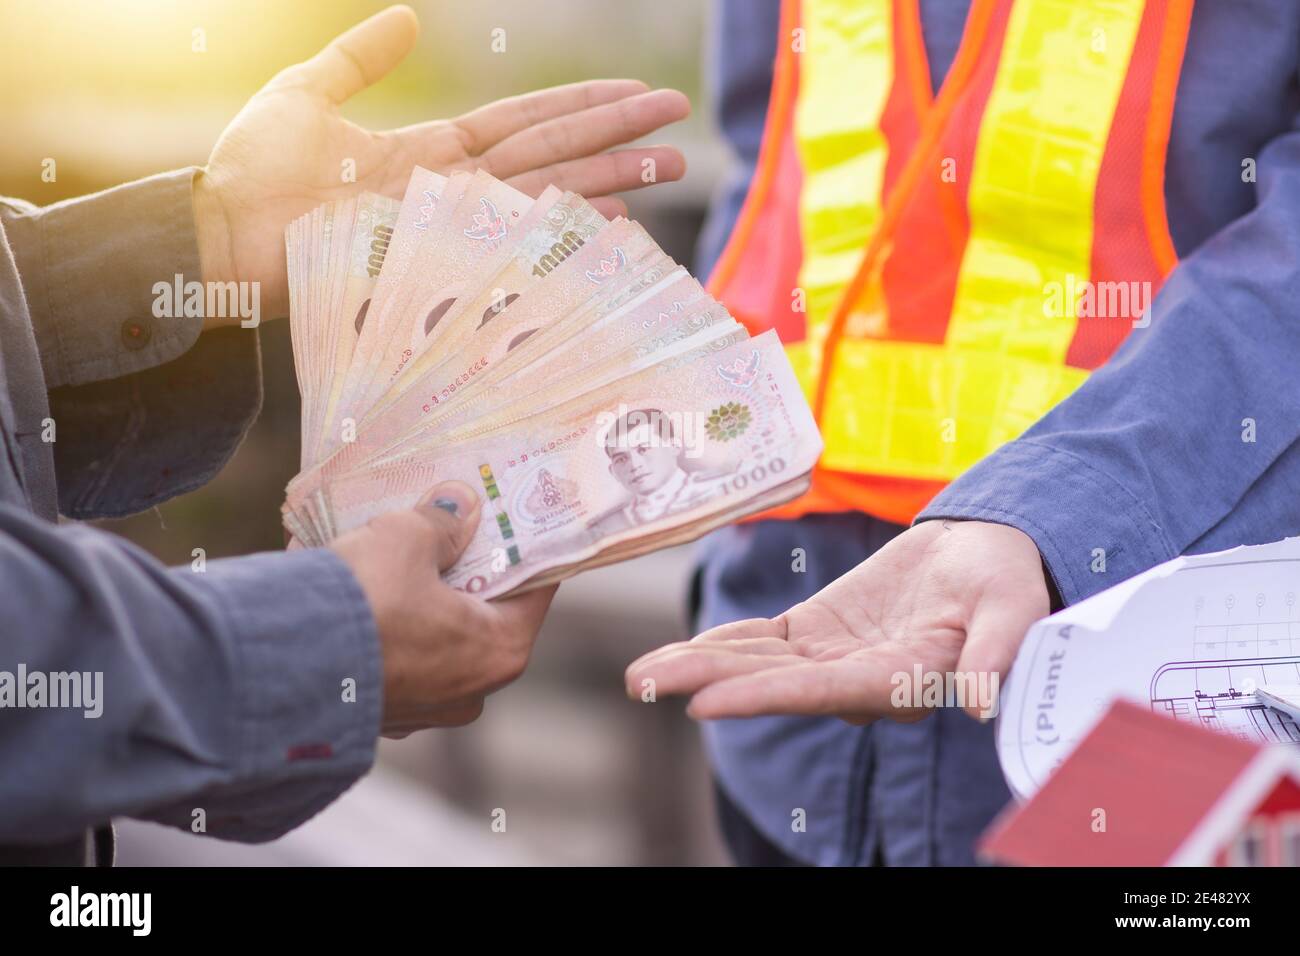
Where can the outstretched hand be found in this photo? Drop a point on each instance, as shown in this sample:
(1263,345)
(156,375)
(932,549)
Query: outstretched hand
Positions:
(285,152)
(954,597)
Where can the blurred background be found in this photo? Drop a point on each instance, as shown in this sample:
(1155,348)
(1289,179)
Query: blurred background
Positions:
(113,90)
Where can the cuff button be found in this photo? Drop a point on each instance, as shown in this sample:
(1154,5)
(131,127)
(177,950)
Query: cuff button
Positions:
(136,334)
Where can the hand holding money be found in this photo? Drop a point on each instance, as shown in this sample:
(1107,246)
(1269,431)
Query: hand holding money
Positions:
(599,402)
(443,651)
(289,149)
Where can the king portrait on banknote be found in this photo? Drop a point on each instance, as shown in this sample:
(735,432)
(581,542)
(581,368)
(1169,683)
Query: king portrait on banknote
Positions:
(648,459)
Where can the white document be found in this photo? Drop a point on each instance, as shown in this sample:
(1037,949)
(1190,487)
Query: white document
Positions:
(1195,638)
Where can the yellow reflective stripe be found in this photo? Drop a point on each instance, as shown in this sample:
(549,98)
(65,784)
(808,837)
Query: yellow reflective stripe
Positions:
(804,358)
(1034,178)
(918,410)
(845,73)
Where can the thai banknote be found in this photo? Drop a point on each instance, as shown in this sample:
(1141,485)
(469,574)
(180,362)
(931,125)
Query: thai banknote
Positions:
(600,401)
(639,460)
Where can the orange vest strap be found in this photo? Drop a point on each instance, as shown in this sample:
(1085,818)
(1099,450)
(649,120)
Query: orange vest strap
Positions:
(759,265)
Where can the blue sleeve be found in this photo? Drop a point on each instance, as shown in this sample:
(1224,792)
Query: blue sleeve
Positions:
(249,690)
(1187,438)
(742,52)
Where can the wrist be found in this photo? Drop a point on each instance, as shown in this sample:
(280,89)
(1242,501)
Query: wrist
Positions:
(212,231)
(1013,548)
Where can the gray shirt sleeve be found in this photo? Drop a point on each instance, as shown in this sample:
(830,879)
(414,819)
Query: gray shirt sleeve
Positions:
(88,268)
(145,407)
(241,698)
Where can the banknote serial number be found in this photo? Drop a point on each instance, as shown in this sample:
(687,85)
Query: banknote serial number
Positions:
(553,445)
(450,388)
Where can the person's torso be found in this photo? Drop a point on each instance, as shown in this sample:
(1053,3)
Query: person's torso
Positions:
(950,235)
(1237,90)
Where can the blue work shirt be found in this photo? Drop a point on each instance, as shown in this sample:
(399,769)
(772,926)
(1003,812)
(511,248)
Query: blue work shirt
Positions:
(1187,440)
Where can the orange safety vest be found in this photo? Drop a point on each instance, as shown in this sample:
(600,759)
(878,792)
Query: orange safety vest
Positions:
(943,270)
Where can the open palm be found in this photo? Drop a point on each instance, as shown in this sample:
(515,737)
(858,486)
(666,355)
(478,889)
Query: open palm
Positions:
(289,150)
(950,597)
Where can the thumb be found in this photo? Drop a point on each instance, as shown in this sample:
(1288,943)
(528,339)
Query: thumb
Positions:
(452,508)
(362,55)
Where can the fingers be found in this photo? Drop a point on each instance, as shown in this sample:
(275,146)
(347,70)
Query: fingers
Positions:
(851,687)
(606,173)
(360,56)
(740,630)
(737,631)
(686,668)
(584,133)
(611,207)
(524,611)
(501,634)
(488,125)
(453,509)
(454,714)
(726,651)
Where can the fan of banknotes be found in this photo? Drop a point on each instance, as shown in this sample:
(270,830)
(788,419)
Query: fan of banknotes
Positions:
(601,402)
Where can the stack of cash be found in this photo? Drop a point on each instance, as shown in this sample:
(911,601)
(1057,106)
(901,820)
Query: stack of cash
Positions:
(598,399)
